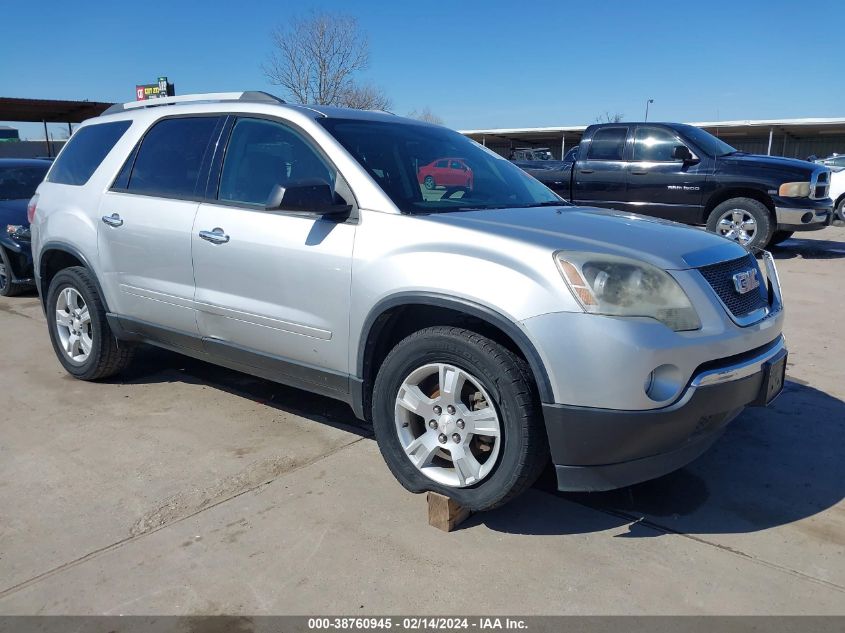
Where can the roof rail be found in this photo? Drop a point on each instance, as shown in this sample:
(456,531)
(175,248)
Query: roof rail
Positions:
(248,96)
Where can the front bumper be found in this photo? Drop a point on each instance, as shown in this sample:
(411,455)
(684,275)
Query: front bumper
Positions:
(602,449)
(802,214)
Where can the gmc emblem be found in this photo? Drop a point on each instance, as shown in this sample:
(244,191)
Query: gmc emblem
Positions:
(746,281)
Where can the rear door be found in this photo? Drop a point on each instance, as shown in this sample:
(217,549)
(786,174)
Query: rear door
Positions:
(273,288)
(600,176)
(146,223)
(659,184)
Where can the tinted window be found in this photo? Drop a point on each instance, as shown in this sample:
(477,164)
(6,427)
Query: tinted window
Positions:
(396,155)
(84,152)
(654,144)
(18,183)
(169,160)
(608,144)
(708,143)
(263,154)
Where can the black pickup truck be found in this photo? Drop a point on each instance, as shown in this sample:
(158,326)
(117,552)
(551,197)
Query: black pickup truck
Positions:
(682,173)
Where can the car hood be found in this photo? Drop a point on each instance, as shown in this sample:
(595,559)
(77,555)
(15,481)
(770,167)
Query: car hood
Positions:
(662,243)
(790,165)
(13,212)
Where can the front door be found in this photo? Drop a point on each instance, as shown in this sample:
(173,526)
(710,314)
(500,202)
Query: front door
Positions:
(146,222)
(272,288)
(600,179)
(661,185)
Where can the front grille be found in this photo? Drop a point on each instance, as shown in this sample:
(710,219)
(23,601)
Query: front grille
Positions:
(820,184)
(721,279)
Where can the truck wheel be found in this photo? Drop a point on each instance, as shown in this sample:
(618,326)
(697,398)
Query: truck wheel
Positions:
(429,182)
(8,288)
(743,220)
(79,331)
(456,413)
(780,236)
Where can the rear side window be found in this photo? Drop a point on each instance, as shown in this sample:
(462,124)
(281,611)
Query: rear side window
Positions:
(608,144)
(169,160)
(84,152)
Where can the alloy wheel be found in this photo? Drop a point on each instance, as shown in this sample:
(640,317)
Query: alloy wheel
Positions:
(73,325)
(737,225)
(4,277)
(447,425)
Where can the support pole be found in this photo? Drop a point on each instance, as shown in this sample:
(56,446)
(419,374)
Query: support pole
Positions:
(484,141)
(771,133)
(46,139)
(562,146)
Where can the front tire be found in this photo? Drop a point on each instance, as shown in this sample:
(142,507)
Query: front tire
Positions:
(743,220)
(8,288)
(79,330)
(839,212)
(456,413)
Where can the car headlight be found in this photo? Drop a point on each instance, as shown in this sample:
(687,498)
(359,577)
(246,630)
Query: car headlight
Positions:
(794,190)
(619,286)
(18,231)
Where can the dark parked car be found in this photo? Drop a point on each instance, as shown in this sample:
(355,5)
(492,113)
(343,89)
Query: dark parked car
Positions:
(682,173)
(18,180)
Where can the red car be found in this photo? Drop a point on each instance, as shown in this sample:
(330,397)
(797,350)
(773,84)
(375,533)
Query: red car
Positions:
(445,172)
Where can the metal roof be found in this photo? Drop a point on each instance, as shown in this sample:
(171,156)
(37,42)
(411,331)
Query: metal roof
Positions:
(808,124)
(49,110)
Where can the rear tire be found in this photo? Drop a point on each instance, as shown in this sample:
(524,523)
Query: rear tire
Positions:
(79,330)
(8,288)
(780,236)
(429,183)
(520,449)
(743,220)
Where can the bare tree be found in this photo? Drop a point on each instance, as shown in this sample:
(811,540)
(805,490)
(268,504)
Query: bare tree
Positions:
(365,97)
(315,59)
(607,117)
(426,115)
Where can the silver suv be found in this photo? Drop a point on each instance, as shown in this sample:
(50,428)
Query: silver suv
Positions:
(482,326)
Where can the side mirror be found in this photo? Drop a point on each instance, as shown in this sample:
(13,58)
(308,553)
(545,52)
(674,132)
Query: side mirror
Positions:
(312,196)
(681,152)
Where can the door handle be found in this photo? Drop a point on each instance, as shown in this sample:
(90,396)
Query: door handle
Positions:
(215,236)
(639,172)
(113,220)
(586,171)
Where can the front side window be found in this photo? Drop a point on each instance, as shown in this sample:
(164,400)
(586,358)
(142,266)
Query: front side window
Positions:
(654,144)
(608,144)
(262,154)
(84,152)
(19,183)
(169,160)
(401,156)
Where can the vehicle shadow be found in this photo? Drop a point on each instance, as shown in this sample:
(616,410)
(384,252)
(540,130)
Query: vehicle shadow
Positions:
(808,249)
(155,365)
(772,467)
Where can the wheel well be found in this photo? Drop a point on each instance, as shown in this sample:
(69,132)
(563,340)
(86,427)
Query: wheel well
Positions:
(395,323)
(727,194)
(52,261)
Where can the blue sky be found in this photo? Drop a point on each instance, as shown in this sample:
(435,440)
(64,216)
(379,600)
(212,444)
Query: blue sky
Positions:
(476,64)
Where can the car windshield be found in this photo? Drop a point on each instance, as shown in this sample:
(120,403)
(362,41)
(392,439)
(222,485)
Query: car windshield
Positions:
(706,141)
(430,169)
(20,182)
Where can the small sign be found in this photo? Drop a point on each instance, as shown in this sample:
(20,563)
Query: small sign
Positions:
(155,91)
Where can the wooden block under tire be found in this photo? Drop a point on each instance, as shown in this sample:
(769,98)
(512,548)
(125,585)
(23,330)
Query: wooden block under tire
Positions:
(445,513)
